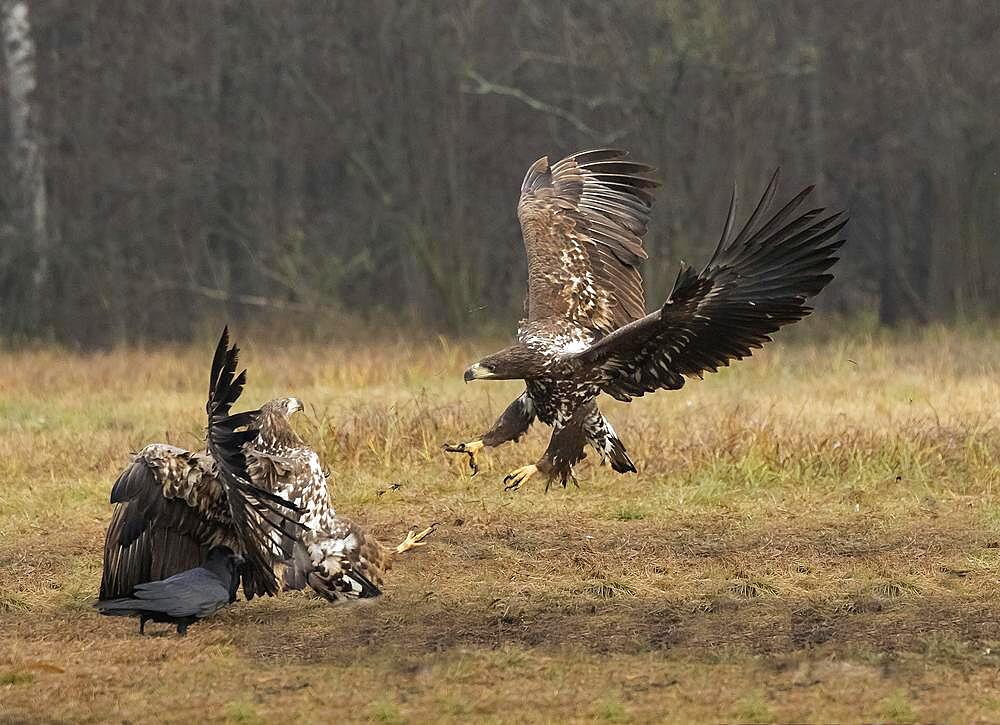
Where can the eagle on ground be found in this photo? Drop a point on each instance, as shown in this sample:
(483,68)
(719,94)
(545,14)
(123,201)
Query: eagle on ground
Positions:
(172,506)
(335,556)
(586,330)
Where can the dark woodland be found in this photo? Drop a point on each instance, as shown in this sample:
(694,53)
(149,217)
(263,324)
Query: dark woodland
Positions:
(177,162)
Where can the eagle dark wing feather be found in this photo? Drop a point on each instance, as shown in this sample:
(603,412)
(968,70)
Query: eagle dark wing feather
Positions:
(296,477)
(755,283)
(262,520)
(173,505)
(168,513)
(583,220)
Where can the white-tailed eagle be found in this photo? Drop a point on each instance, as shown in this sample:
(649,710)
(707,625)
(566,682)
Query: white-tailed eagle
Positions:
(337,557)
(586,330)
(173,505)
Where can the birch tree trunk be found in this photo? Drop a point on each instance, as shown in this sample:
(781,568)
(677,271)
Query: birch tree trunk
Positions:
(26,157)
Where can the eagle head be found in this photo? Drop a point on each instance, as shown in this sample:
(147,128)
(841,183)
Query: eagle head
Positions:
(275,423)
(478,371)
(516,362)
(282,407)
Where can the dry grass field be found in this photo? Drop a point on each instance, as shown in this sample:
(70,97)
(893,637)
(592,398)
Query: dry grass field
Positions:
(814,535)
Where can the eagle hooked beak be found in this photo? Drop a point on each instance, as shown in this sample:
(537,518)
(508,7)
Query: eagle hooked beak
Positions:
(294,406)
(478,372)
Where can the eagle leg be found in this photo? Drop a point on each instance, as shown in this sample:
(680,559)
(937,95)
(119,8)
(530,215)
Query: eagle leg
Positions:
(471,448)
(510,426)
(413,539)
(516,478)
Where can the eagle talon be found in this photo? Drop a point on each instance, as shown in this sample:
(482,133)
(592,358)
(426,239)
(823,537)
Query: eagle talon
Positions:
(471,449)
(414,539)
(516,478)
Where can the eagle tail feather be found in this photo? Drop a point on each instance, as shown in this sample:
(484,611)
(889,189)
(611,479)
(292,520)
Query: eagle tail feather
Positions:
(618,456)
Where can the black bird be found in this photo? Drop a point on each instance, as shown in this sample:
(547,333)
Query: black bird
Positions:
(183,598)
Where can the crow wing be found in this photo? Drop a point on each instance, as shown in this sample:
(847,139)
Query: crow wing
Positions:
(756,282)
(193,593)
(583,220)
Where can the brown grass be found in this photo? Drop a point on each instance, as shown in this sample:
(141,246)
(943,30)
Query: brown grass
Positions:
(814,536)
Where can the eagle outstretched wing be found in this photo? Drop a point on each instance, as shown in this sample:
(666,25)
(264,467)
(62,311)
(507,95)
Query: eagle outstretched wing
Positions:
(583,220)
(170,509)
(173,505)
(755,283)
(262,519)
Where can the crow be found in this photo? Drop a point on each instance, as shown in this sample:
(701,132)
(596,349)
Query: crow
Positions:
(184,597)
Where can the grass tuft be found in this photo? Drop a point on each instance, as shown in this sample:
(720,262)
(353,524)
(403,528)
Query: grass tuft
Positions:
(630,513)
(241,711)
(385,712)
(612,711)
(609,589)
(897,708)
(16,678)
(751,588)
(753,709)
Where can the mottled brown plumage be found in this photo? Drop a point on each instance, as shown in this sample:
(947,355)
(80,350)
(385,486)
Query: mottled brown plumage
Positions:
(173,505)
(583,220)
(586,330)
(335,556)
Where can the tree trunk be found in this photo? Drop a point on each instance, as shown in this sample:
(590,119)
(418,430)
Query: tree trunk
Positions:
(27,159)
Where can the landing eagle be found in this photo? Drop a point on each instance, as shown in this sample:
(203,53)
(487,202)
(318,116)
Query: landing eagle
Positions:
(586,331)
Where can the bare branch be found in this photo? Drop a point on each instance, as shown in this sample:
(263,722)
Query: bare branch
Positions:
(251,300)
(485,87)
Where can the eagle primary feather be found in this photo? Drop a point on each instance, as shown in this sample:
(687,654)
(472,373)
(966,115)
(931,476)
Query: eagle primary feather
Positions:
(583,221)
(586,330)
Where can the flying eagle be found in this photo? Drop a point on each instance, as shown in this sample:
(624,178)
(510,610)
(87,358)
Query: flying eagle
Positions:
(171,508)
(586,330)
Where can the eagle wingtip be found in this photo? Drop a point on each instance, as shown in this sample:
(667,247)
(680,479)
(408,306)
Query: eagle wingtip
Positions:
(538,170)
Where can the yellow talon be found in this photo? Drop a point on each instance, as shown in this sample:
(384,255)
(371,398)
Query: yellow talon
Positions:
(516,478)
(413,540)
(471,448)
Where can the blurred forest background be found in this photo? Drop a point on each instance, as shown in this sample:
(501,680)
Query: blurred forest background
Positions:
(170,162)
